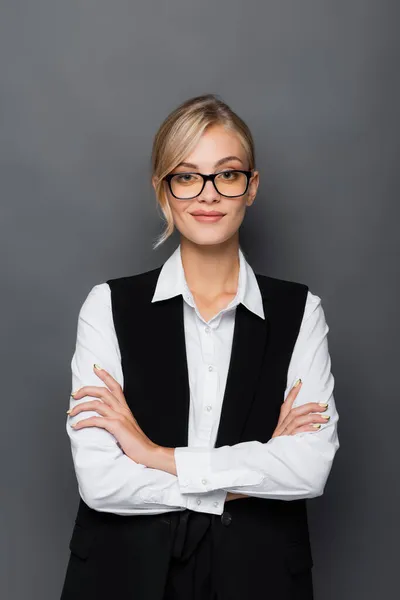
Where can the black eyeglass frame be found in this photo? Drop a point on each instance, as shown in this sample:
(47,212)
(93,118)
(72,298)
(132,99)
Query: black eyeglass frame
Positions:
(210,177)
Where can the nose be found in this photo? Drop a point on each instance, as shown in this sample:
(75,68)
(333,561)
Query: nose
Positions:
(209,193)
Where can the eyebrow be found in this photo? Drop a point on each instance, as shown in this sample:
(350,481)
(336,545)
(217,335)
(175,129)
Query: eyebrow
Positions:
(219,162)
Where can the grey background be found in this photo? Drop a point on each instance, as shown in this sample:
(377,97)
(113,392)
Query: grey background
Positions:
(84,87)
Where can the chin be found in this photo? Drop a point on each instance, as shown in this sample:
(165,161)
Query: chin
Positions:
(202,238)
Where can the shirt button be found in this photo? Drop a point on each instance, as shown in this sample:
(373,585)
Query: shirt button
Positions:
(209,408)
(198,501)
(207,330)
(216,503)
(210,368)
(204,481)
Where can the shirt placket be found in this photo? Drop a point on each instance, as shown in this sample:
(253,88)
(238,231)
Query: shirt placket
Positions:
(210,378)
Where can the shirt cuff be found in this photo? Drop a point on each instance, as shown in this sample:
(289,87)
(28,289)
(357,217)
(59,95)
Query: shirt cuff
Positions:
(212,503)
(204,470)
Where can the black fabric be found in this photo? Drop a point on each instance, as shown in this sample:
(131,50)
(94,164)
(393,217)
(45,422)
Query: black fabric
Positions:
(258,547)
(190,575)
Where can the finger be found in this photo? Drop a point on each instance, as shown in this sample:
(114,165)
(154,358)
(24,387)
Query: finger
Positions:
(306,420)
(314,428)
(303,409)
(104,423)
(110,382)
(287,404)
(310,407)
(290,398)
(293,420)
(96,405)
(98,392)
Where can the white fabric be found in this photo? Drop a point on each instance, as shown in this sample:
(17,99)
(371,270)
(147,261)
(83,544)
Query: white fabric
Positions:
(286,467)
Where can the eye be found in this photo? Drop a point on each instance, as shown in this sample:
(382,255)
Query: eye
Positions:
(228,175)
(186,178)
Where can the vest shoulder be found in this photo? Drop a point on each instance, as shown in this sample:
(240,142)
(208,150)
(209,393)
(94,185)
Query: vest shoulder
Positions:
(280,286)
(137,280)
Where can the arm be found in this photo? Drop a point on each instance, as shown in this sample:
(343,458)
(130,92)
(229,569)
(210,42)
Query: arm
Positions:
(287,467)
(108,480)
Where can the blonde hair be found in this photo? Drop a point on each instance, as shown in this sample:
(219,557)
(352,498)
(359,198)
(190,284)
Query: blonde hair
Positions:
(179,134)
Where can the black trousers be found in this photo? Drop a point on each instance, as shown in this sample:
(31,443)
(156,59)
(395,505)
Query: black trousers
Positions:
(188,555)
(190,575)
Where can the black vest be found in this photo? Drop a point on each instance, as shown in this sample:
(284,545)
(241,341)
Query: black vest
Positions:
(266,544)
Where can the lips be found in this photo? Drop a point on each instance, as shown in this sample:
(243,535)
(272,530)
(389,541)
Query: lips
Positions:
(211,213)
(211,216)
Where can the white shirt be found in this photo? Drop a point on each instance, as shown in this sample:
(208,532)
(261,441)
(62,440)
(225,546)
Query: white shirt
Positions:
(287,467)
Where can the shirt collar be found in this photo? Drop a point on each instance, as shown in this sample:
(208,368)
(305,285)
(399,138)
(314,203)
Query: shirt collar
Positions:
(172,282)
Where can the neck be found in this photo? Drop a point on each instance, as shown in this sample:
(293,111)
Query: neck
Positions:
(211,270)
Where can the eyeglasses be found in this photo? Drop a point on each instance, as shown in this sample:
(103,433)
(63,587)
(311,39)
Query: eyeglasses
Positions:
(231,184)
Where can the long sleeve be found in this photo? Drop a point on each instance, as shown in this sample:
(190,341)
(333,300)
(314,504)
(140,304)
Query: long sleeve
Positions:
(287,467)
(108,480)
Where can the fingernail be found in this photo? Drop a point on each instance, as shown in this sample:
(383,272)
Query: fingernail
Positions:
(297,383)
(325,417)
(97,366)
(75,392)
(317,425)
(322,404)
(68,411)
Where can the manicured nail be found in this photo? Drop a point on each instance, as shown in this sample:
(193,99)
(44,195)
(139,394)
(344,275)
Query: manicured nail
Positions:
(325,416)
(75,392)
(68,411)
(322,404)
(317,425)
(74,424)
(97,366)
(297,383)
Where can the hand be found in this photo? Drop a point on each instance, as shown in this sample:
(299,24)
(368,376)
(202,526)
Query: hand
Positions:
(301,418)
(116,418)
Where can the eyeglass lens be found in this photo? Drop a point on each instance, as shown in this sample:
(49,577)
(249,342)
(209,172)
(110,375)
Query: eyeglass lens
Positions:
(228,183)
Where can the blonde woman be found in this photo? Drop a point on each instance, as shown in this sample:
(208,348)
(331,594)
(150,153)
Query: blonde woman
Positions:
(202,416)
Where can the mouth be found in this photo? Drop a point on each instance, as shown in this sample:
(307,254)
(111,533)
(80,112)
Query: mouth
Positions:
(207,216)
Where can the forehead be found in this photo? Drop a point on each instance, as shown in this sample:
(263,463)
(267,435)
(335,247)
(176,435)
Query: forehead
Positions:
(216,143)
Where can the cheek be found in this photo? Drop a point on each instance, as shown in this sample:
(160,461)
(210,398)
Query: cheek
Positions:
(237,212)
(182,220)
(176,207)
(179,212)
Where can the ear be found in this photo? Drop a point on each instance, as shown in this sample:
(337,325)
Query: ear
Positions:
(253,187)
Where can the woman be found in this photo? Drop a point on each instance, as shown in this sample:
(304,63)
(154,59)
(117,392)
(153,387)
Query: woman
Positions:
(203,416)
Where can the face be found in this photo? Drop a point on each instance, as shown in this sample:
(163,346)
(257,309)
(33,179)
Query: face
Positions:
(211,156)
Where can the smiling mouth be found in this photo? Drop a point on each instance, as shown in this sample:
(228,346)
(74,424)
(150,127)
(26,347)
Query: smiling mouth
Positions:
(212,213)
(207,217)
